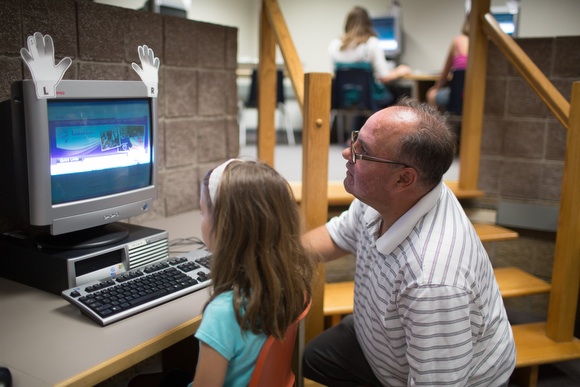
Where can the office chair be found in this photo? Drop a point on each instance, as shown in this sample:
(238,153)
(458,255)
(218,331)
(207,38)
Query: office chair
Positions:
(5,377)
(352,95)
(456,86)
(454,109)
(274,363)
(252,103)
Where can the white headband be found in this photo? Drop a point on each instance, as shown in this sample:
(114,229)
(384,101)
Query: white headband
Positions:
(215,178)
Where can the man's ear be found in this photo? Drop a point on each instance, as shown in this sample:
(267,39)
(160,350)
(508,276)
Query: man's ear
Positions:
(407,178)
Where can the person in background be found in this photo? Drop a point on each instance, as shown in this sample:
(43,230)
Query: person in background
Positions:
(359,43)
(260,271)
(427,308)
(456,59)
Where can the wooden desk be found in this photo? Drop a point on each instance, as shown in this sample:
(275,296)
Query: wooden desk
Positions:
(420,83)
(45,341)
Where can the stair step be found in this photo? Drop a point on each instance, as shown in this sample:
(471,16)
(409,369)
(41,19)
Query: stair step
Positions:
(513,282)
(461,193)
(535,348)
(338,298)
(491,232)
(337,195)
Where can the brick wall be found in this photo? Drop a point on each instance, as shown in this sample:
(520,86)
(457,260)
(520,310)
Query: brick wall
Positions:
(197,79)
(522,154)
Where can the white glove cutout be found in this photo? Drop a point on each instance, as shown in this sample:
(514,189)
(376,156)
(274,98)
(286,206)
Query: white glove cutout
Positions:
(149,72)
(40,60)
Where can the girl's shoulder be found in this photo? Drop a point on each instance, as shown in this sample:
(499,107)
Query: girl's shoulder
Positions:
(225,296)
(222,300)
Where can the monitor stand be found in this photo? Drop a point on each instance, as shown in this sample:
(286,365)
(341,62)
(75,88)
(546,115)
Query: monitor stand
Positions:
(84,239)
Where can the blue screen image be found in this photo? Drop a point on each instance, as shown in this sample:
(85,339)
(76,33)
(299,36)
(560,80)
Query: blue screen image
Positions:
(99,147)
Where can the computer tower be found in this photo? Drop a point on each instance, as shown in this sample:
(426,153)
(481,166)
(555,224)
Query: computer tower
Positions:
(24,260)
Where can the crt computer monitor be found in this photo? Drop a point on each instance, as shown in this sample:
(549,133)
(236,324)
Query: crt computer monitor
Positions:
(76,163)
(388,31)
(507,22)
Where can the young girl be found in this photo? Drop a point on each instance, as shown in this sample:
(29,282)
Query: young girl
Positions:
(260,272)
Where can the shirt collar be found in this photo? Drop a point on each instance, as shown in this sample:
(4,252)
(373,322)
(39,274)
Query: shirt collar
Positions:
(397,233)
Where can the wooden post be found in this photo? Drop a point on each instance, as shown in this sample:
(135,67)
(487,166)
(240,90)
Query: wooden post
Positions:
(314,206)
(474,95)
(266,90)
(566,270)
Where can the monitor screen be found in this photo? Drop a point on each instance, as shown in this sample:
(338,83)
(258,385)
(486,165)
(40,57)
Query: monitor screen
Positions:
(507,22)
(98,147)
(389,35)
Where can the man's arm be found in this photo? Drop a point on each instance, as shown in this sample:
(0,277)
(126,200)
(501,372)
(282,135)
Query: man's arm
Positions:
(319,242)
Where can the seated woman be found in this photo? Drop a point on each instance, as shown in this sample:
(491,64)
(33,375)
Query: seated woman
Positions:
(359,44)
(439,95)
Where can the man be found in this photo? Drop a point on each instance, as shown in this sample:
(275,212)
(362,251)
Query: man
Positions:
(427,308)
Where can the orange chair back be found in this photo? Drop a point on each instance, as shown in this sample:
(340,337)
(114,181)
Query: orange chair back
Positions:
(274,363)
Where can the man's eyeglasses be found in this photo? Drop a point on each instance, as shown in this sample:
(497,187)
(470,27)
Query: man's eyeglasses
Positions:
(355,156)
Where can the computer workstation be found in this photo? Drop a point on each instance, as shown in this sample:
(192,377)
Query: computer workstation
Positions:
(77,166)
(390,35)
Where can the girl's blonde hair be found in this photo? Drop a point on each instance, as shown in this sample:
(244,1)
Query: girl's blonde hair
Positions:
(257,253)
(357,29)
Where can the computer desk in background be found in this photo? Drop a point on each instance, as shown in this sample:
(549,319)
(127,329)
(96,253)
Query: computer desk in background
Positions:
(420,83)
(46,341)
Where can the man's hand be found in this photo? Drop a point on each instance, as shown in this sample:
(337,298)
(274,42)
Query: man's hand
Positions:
(40,60)
(149,72)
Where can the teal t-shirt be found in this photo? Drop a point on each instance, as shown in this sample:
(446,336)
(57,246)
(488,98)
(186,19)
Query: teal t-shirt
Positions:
(220,330)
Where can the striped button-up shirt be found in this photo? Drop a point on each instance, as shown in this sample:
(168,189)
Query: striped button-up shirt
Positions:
(427,308)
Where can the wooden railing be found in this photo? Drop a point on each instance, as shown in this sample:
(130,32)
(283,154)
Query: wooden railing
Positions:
(273,30)
(528,69)
(313,95)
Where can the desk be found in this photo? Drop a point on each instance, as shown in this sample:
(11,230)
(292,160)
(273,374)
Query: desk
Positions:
(420,83)
(46,341)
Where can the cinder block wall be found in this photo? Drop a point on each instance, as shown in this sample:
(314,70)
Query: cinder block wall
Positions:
(522,154)
(197,79)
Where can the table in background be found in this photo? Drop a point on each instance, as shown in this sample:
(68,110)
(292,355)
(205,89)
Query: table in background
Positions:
(419,84)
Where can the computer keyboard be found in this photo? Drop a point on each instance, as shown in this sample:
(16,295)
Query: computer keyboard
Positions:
(113,299)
